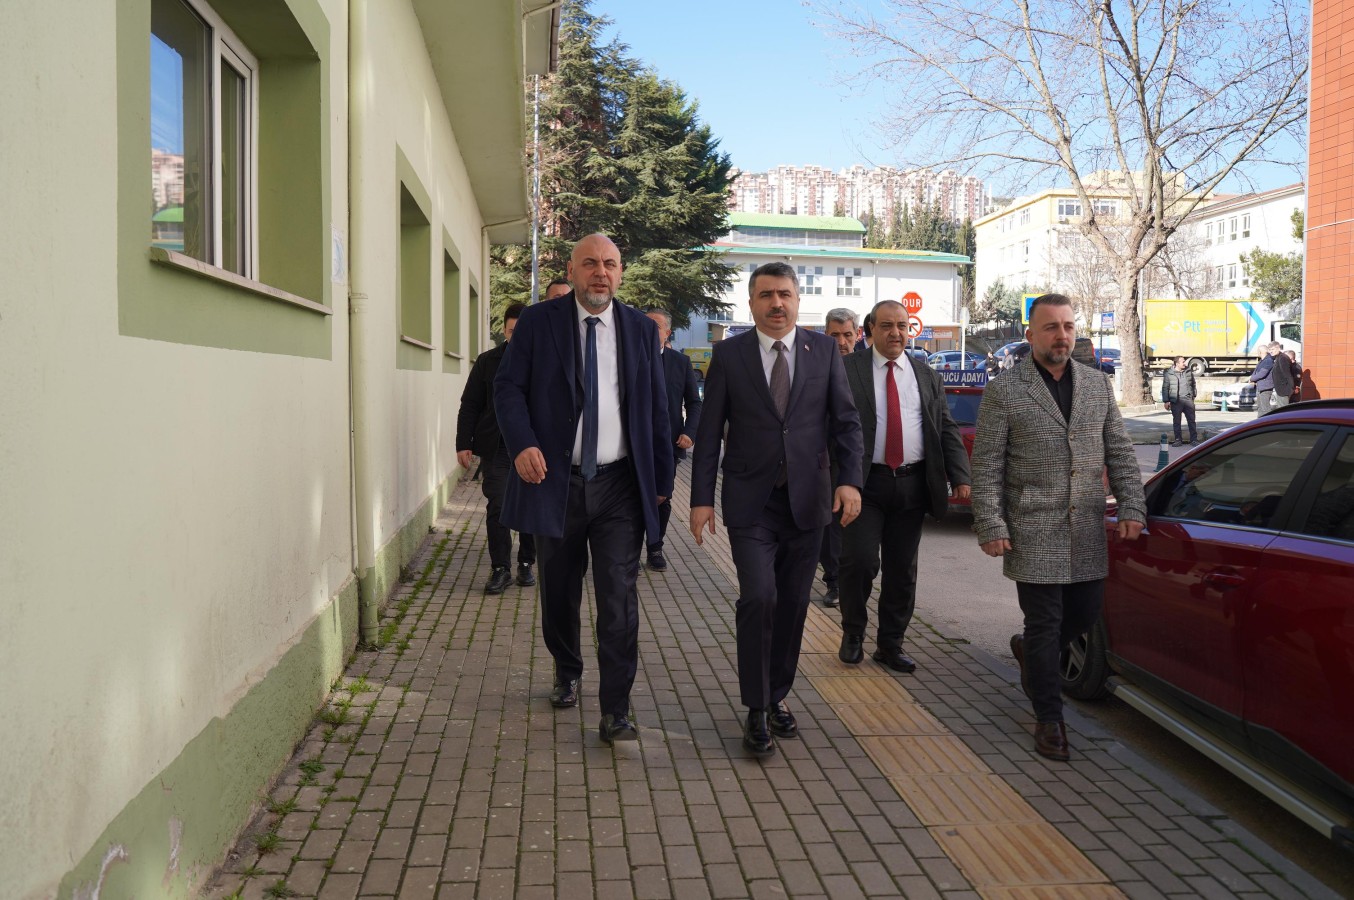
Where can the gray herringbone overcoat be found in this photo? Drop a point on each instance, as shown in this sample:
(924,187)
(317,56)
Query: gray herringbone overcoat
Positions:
(1037,480)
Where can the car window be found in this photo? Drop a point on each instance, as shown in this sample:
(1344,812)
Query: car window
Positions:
(1332,512)
(1239,483)
(964,407)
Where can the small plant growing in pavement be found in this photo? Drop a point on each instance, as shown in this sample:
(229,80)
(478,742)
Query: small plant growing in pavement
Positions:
(279,889)
(267,842)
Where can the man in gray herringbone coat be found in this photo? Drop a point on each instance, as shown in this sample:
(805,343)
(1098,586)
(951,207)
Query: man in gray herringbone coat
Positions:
(1047,429)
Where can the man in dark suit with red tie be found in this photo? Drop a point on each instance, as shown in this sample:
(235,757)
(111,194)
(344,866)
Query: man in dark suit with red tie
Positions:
(781,392)
(683,394)
(582,405)
(913,452)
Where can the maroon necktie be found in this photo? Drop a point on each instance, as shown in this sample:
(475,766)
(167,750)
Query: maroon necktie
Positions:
(893,421)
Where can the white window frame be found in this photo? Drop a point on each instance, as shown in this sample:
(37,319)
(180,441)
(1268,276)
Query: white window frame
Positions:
(227,47)
(1208,234)
(1231,275)
(1069,208)
(1025,216)
(1105,207)
(805,286)
(1246,225)
(1231,224)
(847,287)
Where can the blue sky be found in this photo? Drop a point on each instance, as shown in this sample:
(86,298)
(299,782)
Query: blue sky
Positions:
(774,87)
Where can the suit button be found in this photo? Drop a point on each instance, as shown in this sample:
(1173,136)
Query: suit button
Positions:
(786,431)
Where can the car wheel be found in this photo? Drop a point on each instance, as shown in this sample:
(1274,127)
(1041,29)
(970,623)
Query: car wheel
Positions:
(1085,669)
(1199,366)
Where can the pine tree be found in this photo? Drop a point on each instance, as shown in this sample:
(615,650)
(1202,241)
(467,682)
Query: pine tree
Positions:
(874,233)
(625,153)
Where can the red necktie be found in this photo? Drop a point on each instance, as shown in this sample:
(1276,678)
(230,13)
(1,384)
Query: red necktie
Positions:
(893,421)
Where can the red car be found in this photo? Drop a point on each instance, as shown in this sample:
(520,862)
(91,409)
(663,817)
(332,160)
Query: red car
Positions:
(1230,621)
(964,394)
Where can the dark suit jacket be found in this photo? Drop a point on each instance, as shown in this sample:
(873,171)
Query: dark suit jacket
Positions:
(476,423)
(539,398)
(820,409)
(682,391)
(943,446)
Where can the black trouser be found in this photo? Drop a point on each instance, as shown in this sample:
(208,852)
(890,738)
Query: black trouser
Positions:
(1185,407)
(775,559)
(493,482)
(1055,615)
(830,553)
(891,513)
(664,513)
(604,517)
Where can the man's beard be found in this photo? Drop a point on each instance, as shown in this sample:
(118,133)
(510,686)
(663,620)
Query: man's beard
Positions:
(1057,357)
(594,302)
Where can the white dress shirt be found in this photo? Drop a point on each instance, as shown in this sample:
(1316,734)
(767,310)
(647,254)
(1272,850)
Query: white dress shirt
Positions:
(769,355)
(909,399)
(610,435)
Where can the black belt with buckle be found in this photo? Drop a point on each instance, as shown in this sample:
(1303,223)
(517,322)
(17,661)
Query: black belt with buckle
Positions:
(909,469)
(604,468)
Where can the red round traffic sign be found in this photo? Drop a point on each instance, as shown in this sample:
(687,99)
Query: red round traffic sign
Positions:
(914,326)
(912,302)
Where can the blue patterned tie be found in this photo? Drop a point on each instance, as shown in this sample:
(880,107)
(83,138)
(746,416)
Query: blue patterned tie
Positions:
(590,401)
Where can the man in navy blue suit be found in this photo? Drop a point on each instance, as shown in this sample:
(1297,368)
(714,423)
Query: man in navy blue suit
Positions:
(582,405)
(782,393)
(683,394)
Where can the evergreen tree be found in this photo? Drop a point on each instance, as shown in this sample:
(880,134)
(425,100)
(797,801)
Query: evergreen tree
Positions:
(897,227)
(625,153)
(874,233)
(966,244)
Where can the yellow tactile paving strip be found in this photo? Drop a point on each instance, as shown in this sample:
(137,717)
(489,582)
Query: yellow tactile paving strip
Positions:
(1005,849)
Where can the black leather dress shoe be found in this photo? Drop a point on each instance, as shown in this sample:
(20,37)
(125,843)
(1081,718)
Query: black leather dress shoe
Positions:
(1050,741)
(617,728)
(895,659)
(757,734)
(853,649)
(657,562)
(499,579)
(525,577)
(833,598)
(1018,651)
(565,693)
(781,722)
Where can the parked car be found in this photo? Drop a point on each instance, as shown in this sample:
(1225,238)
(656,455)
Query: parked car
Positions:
(1230,620)
(964,401)
(955,359)
(1108,355)
(1239,395)
(918,354)
(1083,351)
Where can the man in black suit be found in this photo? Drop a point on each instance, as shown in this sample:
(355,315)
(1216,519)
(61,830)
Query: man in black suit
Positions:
(912,452)
(557,288)
(683,392)
(841,327)
(583,408)
(781,393)
(477,434)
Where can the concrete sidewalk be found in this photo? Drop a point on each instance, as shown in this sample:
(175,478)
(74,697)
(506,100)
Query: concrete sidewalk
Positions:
(439,769)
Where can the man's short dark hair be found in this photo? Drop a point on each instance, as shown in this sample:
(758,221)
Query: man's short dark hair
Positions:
(1049,300)
(514,311)
(555,281)
(869,324)
(773,270)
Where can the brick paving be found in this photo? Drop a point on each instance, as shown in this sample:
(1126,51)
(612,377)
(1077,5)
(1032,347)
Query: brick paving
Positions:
(439,769)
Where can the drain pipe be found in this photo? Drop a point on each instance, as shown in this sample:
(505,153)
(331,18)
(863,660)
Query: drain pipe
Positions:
(359,312)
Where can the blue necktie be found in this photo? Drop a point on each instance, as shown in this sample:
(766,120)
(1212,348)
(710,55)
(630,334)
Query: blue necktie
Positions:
(590,401)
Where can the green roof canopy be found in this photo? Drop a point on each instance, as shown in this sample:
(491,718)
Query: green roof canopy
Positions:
(796,223)
(169,214)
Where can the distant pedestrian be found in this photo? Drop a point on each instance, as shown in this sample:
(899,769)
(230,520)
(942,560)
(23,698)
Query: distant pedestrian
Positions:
(1178,390)
(477,434)
(841,327)
(683,395)
(557,288)
(1264,379)
(1297,376)
(867,338)
(1047,431)
(583,407)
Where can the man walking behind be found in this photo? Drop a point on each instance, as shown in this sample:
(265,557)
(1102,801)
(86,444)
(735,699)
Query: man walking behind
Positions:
(477,434)
(781,392)
(683,393)
(1178,390)
(912,453)
(1273,380)
(583,409)
(1047,430)
(841,327)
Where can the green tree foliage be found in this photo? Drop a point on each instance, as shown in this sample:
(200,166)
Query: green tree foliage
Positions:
(874,230)
(624,152)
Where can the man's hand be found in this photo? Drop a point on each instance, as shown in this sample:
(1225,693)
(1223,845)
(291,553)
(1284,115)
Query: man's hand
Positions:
(1167,404)
(464,457)
(530,465)
(997,548)
(702,517)
(661,498)
(1129,530)
(847,501)
(962,492)
(683,442)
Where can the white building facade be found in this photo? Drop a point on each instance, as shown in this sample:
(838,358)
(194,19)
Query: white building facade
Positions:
(1222,232)
(857,191)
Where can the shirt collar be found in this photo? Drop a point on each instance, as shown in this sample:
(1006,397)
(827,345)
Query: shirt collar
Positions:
(605,315)
(880,360)
(766,340)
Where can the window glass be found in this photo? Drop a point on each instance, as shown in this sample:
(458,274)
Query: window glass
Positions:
(180,107)
(1069,208)
(1240,483)
(1332,512)
(234,111)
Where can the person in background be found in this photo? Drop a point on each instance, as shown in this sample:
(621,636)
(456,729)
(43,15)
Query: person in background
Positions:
(557,288)
(841,327)
(1178,390)
(1047,433)
(1283,375)
(477,434)
(866,339)
(1297,376)
(1263,379)
(683,393)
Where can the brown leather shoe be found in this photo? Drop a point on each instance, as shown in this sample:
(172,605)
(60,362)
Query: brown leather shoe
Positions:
(1050,741)
(1018,651)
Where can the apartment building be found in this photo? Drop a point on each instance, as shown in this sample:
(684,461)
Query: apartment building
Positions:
(857,192)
